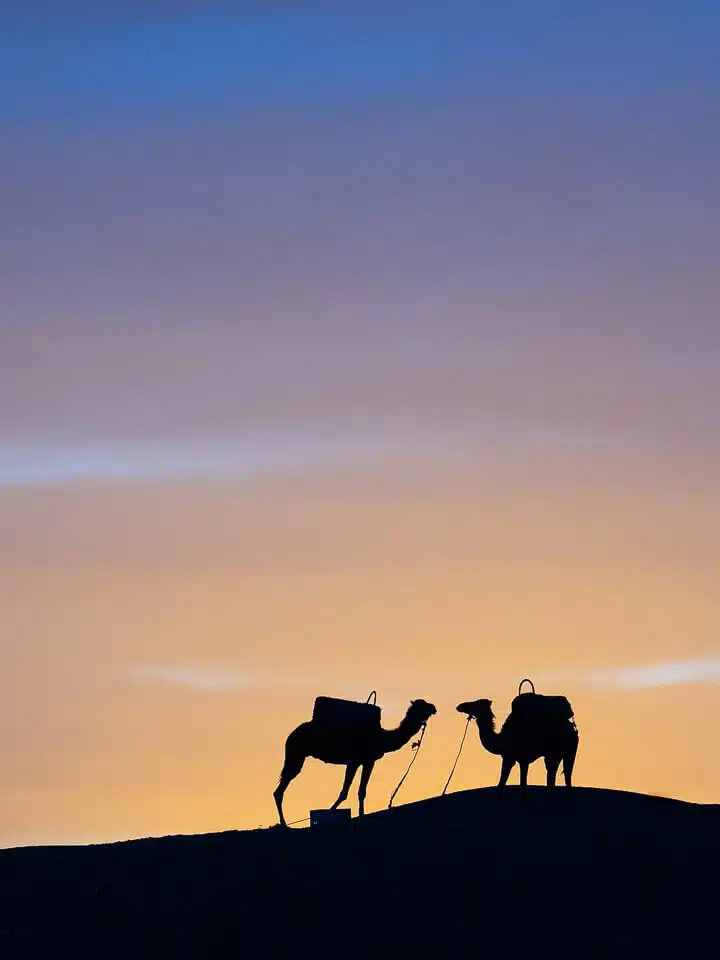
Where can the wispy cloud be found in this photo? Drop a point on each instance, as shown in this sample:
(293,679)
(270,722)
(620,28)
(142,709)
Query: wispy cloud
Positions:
(198,678)
(221,679)
(664,674)
(667,673)
(32,463)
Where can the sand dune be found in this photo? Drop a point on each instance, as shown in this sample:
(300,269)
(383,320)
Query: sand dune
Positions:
(597,873)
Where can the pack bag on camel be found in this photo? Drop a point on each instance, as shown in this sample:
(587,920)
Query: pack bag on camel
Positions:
(540,708)
(347,714)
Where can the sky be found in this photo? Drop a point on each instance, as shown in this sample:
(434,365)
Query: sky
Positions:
(346,347)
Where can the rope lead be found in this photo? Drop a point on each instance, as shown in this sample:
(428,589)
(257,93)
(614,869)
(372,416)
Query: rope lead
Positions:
(457,757)
(416,748)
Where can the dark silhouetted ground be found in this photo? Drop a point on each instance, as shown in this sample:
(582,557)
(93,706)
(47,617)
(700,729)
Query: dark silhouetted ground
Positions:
(594,874)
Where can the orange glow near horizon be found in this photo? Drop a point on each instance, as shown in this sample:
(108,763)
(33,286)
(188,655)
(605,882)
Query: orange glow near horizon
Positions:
(171,638)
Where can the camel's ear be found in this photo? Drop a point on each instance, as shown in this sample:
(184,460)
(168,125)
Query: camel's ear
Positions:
(413,702)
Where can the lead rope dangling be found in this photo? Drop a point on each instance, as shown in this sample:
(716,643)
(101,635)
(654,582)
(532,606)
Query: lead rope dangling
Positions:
(416,748)
(457,757)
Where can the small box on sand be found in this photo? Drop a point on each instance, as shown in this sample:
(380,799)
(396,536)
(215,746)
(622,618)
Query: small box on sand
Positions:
(327,818)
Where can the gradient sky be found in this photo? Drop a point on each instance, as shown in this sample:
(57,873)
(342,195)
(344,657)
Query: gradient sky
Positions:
(347,346)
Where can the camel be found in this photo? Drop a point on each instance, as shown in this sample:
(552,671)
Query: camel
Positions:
(352,748)
(546,732)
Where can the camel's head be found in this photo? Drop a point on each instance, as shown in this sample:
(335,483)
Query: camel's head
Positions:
(477,709)
(421,709)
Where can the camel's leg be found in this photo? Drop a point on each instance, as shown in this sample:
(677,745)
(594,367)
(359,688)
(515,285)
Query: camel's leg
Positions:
(350,772)
(362,789)
(507,764)
(523,774)
(551,766)
(569,763)
(292,767)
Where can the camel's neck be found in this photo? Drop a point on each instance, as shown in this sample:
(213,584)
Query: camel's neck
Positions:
(489,737)
(397,738)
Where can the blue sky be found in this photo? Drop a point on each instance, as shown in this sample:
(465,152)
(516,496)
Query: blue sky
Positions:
(141,57)
(390,167)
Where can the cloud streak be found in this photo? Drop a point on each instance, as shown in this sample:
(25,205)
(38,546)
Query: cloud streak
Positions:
(198,678)
(667,673)
(222,679)
(34,463)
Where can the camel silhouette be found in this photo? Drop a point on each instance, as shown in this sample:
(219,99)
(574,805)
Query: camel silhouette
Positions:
(546,730)
(354,748)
